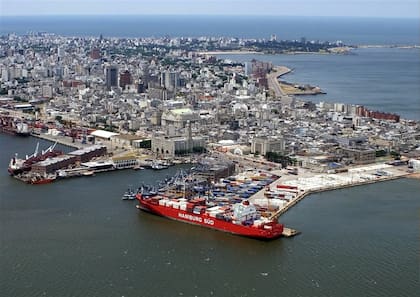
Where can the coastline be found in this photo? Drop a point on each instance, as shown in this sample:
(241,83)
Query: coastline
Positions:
(285,88)
(273,82)
(239,52)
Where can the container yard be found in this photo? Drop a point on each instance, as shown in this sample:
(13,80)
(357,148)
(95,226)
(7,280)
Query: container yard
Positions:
(222,204)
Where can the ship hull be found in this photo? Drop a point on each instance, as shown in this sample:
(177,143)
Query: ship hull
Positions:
(16,171)
(41,181)
(263,233)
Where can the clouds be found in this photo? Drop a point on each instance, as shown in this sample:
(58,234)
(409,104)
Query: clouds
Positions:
(375,8)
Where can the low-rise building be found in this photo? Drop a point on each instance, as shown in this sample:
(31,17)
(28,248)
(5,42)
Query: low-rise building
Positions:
(88,153)
(172,146)
(263,145)
(359,156)
(53,164)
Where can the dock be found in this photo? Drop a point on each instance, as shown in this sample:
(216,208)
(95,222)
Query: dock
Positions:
(306,183)
(61,140)
(310,183)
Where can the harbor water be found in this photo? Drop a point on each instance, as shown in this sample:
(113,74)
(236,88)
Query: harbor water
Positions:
(76,237)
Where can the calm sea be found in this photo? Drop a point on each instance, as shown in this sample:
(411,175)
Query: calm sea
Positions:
(77,238)
(349,30)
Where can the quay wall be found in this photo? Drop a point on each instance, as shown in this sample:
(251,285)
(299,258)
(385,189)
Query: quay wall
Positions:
(305,193)
(59,139)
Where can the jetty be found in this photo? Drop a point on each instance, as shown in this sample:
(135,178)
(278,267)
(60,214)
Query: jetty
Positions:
(297,187)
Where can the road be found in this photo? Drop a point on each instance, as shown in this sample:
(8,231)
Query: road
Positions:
(273,82)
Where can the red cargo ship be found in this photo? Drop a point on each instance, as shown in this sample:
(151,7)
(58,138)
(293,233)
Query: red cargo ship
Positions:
(240,218)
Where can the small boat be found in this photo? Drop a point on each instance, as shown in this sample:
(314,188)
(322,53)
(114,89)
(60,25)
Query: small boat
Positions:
(159,166)
(88,173)
(129,195)
(40,180)
(138,167)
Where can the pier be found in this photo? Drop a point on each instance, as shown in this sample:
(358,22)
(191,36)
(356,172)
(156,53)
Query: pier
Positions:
(309,183)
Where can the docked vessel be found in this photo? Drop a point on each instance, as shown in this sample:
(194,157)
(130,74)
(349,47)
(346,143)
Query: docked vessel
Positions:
(39,180)
(229,213)
(22,129)
(18,166)
(241,219)
(159,165)
(99,166)
(73,172)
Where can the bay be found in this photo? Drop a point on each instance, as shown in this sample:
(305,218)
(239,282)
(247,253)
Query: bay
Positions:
(77,238)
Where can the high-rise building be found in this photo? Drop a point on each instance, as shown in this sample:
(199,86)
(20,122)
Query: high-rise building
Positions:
(141,88)
(170,80)
(60,52)
(125,79)
(111,76)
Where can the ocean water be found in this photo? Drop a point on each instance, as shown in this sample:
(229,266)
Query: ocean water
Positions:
(77,238)
(349,30)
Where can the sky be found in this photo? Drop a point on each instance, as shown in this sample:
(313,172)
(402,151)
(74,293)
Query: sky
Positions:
(359,8)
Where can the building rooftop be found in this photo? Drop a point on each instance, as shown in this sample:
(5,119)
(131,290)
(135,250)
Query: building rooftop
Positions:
(86,150)
(103,134)
(181,111)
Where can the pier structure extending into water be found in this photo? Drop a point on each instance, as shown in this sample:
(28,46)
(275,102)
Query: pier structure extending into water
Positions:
(308,183)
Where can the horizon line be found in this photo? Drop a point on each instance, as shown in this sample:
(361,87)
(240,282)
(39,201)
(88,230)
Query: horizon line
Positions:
(211,15)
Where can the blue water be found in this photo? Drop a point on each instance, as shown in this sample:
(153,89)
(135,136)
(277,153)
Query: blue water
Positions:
(76,237)
(349,30)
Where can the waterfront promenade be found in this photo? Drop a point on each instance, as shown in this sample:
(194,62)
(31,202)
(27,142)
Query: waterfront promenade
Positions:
(273,82)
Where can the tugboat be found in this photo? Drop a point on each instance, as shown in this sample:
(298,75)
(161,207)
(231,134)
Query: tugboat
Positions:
(129,195)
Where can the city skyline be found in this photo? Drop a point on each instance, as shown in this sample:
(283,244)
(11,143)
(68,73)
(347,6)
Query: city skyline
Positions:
(348,8)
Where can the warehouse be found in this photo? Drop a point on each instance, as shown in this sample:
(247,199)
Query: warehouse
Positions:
(88,153)
(53,164)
